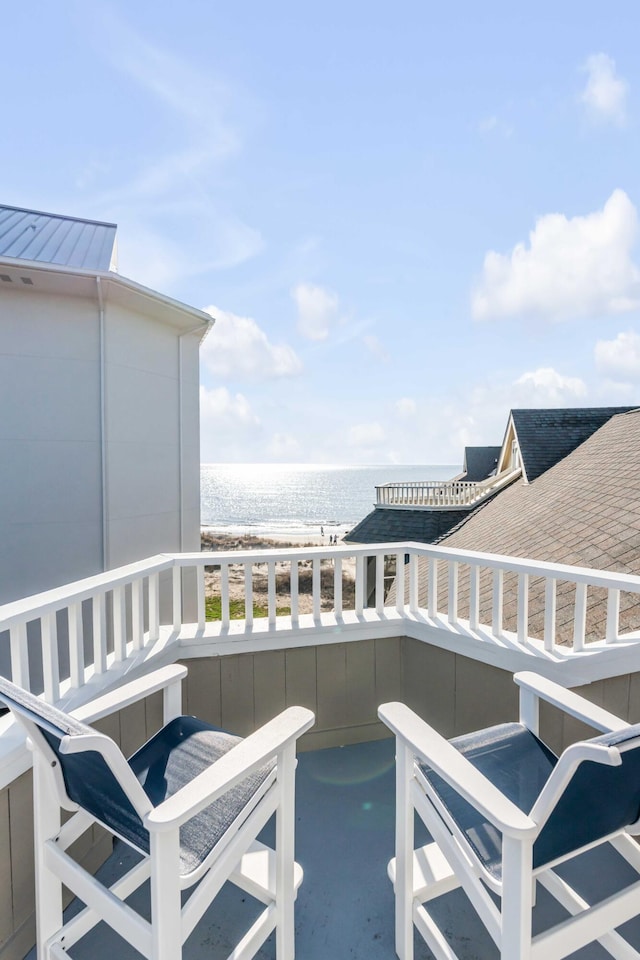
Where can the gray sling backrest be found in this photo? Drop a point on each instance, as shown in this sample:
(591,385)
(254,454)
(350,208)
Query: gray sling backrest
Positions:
(88,779)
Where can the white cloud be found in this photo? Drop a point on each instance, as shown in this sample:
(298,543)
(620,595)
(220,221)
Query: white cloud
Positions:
(284,447)
(605,94)
(317,310)
(406,407)
(573,267)
(619,358)
(224,409)
(238,348)
(545,386)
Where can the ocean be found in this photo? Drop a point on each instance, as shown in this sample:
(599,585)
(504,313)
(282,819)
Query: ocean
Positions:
(296,498)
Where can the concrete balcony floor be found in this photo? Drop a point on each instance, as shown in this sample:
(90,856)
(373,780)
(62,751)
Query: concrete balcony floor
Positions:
(344,911)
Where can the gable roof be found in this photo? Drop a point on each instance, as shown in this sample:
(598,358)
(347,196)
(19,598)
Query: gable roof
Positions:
(479,463)
(545,437)
(55,239)
(584,511)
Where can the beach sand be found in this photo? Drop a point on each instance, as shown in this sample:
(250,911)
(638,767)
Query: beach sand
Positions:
(224,542)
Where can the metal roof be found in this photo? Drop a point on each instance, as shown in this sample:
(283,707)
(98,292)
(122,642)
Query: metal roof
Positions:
(51,238)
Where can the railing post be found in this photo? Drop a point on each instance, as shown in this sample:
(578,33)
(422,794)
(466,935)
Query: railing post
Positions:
(452,613)
(360,575)
(400,587)
(293,578)
(414,598)
(99,633)
(154,607)
(248,595)
(271,593)
(432,580)
(177,598)
(523,607)
(380,559)
(50,663)
(19,655)
(119,624)
(337,586)
(613,615)
(580,616)
(137,613)
(474,597)
(200,597)
(316,586)
(549,614)
(497,605)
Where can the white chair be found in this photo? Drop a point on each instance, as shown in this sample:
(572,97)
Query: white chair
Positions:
(504,813)
(192,801)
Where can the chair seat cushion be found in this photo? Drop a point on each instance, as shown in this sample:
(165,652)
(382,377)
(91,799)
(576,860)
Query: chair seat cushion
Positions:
(184,748)
(516,762)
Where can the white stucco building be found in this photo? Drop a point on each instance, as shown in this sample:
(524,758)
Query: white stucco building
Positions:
(99,422)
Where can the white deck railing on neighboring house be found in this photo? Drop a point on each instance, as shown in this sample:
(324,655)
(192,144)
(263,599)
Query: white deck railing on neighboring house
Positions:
(441,494)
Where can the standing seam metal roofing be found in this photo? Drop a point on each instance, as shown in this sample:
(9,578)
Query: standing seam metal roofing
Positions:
(51,238)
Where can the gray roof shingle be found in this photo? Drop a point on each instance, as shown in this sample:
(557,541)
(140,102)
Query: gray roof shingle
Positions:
(545,437)
(385,525)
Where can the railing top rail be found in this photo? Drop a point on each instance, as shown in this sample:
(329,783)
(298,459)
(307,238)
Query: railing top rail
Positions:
(428,483)
(30,608)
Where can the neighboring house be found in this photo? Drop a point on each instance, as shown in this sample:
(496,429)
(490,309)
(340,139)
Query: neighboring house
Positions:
(99,420)
(573,498)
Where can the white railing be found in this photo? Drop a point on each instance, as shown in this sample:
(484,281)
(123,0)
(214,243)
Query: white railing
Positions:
(75,635)
(450,493)
(436,494)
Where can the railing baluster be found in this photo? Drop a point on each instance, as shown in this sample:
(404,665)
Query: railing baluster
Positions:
(99,633)
(380,559)
(414,589)
(271,581)
(119,624)
(224,596)
(295,616)
(613,615)
(549,614)
(474,596)
(248,595)
(580,616)
(337,586)
(497,603)
(200,597)
(400,586)
(316,588)
(452,606)
(523,607)
(76,645)
(154,607)
(360,575)
(137,613)
(50,663)
(432,579)
(177,598)
(20,655)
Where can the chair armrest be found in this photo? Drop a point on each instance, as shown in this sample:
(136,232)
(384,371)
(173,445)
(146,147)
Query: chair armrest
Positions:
(569,702)
(129,693)
(427,744)
(247,756)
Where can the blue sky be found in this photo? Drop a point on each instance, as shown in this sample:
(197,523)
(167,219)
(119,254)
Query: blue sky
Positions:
(406,219)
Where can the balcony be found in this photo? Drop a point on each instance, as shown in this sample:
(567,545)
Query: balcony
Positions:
(445,640)
(441,495)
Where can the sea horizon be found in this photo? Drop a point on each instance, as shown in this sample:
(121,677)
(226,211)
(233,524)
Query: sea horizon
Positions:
(299,499)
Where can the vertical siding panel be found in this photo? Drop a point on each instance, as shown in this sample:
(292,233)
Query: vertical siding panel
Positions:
(21,838)
(301,678)
(153,713)
(429,683)
(133,727)
(361,706)
(6,912)
(237,694)
(332,686)
(202,693)
(388,652)
(269,685)
(484,695)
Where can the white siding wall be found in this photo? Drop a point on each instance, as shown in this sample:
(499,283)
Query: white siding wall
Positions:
(50,504)
(50,475)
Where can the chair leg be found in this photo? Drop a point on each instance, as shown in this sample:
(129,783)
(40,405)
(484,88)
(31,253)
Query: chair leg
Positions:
(285,828)
(404,852)
(166,910)
(46,816)
(517,899)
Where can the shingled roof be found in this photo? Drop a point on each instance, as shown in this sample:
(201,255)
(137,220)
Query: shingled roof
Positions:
(545,437)
(583,511)
(384,525)
(479,463)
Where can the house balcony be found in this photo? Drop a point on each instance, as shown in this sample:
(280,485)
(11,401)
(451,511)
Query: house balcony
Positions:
(293,626)
(441,494)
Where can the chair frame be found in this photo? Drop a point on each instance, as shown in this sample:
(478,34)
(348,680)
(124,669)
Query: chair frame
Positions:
(271,876)
(449,862)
